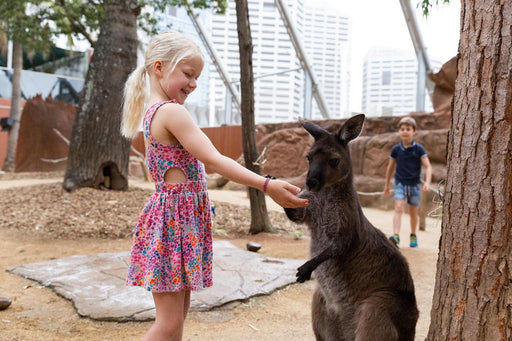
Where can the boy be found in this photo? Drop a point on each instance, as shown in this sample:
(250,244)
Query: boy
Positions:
(408,156)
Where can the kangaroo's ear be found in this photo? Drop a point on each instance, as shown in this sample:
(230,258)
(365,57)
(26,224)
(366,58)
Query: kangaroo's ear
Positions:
(314,129)
(351,129)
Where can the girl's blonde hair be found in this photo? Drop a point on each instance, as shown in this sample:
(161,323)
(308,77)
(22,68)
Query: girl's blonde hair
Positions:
(168,47)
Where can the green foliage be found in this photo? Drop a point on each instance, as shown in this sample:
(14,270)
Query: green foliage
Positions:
(80,17)
(426,5)
(74,18)
(148,22)
(19,21)
(219,6)
(35,22)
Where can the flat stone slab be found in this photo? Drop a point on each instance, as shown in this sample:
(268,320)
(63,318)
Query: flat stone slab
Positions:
(95,283)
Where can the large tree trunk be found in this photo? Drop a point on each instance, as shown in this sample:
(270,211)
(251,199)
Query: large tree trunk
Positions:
(473,292)
(259,217)
(98,154)
(15,111)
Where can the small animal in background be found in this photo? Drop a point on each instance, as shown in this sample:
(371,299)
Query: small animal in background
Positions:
(365,290)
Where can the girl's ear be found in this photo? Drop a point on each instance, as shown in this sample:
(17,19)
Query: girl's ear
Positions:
(158,68)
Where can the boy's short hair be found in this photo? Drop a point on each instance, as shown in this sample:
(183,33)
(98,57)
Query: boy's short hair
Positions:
(408,121)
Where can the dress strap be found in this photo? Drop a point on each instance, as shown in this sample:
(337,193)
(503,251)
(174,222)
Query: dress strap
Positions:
(152,109)
(149,116)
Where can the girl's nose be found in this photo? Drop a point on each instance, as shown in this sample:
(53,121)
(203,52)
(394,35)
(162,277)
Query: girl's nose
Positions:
(193,83)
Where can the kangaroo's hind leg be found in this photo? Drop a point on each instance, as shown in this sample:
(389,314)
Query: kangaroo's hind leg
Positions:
(373,321)
(325,324)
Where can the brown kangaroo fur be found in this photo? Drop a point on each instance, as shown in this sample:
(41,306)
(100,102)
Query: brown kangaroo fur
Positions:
(365,290)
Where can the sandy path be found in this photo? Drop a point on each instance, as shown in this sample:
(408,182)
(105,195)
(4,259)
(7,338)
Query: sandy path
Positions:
(37,313)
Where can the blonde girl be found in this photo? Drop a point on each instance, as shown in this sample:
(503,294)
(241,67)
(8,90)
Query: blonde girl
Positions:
(172,241)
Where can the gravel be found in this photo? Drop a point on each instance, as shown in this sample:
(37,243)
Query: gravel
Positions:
(47,211)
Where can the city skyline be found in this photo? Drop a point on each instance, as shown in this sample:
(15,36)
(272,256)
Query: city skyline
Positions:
(393,33)
(390,82)
(279,82)
(382,23)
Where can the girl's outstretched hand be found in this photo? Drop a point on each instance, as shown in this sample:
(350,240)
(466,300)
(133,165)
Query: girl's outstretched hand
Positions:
(285,194)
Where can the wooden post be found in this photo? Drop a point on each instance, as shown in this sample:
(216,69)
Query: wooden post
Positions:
(422,212)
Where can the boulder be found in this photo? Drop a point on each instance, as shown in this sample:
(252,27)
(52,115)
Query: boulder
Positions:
(285,152)
(444,85)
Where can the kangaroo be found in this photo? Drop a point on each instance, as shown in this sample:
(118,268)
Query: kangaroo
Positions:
(365,290)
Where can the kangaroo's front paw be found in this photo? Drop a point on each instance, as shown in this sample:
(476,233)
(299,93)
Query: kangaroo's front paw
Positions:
(304,273)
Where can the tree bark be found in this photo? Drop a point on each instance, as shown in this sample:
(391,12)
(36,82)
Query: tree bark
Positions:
(15,111)
(98,154)
(473,292)
(259,216)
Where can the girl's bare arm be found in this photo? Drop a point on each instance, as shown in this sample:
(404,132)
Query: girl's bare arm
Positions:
(177,121)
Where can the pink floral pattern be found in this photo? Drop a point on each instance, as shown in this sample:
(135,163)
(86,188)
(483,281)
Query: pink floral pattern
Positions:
(172,240)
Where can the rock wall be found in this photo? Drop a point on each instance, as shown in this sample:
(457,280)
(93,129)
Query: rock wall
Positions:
(287,144)
(444,88)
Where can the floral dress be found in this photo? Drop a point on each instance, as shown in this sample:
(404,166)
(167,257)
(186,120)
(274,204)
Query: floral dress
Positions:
(172,240)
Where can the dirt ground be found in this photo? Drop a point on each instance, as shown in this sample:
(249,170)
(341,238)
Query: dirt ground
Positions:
(40,223)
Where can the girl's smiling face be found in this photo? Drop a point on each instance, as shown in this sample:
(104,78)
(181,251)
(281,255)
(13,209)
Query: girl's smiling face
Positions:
(179,82)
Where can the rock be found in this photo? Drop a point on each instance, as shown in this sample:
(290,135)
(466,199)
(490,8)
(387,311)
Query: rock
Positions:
(96,283)
(444,87)
(216,180)
(254,247)
(5,303)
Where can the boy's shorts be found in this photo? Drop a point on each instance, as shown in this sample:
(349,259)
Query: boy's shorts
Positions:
(411,193)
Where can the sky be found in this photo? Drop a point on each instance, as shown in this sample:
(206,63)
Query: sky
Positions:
(382,23)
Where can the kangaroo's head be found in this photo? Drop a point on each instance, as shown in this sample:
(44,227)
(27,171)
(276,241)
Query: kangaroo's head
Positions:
(329,157)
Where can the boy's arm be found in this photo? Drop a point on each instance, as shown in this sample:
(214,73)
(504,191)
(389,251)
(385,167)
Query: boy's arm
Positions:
(428,173)
(389,171)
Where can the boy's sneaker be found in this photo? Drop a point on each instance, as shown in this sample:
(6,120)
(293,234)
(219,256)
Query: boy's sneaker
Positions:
(414,241)
(395,239)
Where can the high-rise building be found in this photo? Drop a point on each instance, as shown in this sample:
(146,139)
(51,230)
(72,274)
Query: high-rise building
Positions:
(279,81)
(327,41)
(278,77)
(390,82)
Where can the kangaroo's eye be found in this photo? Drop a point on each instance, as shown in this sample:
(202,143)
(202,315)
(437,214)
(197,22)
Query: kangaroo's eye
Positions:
(308,157)
(333,162)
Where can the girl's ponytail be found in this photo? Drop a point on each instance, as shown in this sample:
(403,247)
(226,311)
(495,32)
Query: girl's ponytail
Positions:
(134,102)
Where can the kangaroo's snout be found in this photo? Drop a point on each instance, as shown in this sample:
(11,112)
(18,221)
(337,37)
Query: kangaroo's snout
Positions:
(313,185)
(315,180)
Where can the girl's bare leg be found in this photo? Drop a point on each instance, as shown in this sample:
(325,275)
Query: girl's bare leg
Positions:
(171,310)
(186,304)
